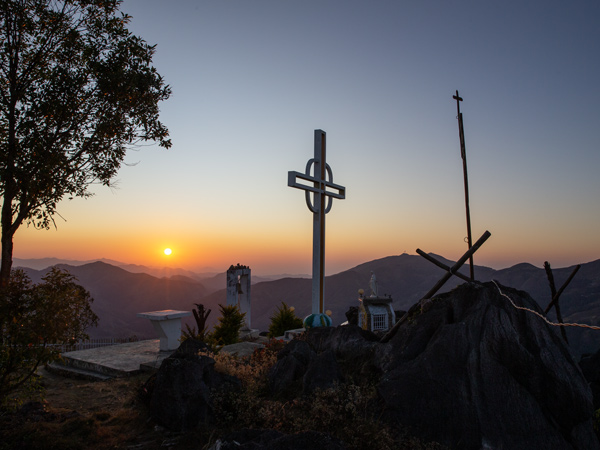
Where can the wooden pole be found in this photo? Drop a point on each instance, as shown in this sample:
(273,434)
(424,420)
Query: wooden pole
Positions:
(550,276)
(560,291)
(442,265)
(452,271)
(463,154)
(457,266)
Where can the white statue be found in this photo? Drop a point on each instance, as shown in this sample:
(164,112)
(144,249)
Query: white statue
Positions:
(373,285)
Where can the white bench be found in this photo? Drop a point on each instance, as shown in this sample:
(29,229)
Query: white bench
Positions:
(167,324)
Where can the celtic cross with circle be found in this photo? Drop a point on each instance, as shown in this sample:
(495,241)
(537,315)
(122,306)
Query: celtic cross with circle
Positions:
(323,192)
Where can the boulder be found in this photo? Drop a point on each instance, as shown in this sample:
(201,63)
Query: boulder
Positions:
(357,351)
(590,366)
(345,341)
(322,373)
(180,397)
(473,371)
(291,365)
(307,365)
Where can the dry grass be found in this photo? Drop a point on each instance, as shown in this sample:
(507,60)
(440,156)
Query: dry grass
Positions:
(78,414)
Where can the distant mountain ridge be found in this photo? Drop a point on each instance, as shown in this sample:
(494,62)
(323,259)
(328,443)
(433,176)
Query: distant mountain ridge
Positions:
(206,273)
(120,294)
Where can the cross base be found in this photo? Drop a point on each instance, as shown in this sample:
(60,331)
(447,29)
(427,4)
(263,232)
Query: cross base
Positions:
(317,320)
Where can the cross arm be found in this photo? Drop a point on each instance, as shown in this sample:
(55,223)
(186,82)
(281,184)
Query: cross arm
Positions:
(293,177)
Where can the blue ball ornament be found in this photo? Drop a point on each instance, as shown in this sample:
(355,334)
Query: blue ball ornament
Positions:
(317,320)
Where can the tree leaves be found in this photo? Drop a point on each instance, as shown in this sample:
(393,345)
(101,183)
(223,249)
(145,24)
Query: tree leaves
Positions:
(77,89)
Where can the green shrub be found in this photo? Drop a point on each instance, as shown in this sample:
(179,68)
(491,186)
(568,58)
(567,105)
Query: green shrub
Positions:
(35,317)
(284,319)
(227,331)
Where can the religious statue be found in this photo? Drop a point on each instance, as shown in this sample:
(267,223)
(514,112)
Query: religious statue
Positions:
(373,285)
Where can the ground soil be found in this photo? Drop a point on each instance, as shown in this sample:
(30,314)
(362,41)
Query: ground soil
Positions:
(81,414)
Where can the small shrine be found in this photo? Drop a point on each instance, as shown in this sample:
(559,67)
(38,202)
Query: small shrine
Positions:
(375,313)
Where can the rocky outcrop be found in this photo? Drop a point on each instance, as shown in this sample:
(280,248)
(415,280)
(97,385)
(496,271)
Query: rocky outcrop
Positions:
(469,371)
(590,366)
(475,372)
(285,377)
(181,395)
(322,359)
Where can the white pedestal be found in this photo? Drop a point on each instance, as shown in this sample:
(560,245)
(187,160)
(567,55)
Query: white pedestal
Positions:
(167,324)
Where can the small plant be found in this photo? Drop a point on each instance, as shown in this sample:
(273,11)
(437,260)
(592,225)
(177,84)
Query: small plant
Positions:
(201,315)
(227,330)
(284,319)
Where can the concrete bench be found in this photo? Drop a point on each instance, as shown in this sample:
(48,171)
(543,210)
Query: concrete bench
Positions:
(167,324)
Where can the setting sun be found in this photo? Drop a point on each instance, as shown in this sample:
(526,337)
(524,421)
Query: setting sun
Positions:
(168,251)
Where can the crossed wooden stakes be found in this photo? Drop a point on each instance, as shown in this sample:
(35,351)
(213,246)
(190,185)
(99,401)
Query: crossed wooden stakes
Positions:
(556,295)
(449,272)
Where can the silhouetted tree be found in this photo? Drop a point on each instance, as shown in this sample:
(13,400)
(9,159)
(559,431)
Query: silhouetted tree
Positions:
(33,318)
(76,90)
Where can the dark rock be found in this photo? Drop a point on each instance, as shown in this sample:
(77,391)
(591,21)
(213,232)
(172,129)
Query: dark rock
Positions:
(322,373)
(343,340)
(274,440)
(475,372)
(191,346)
(301,350)
(181,394)
(356,350)
(292,362)
(352,315)
(590,366)
(399,314)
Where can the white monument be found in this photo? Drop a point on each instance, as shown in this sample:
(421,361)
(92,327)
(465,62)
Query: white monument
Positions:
(238,290)
(323,192)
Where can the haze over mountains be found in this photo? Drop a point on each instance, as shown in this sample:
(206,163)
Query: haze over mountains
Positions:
(121,292)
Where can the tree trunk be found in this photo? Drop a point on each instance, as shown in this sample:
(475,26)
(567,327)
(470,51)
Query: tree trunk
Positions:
(7,247)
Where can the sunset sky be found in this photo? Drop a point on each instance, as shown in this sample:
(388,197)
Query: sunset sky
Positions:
(252,80)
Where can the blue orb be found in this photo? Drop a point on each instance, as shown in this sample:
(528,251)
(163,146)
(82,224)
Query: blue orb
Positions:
(317,320)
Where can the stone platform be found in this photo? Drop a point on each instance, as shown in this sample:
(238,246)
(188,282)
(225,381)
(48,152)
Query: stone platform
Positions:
(123,360)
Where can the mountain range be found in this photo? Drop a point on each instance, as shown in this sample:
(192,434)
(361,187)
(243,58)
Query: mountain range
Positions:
(120,293)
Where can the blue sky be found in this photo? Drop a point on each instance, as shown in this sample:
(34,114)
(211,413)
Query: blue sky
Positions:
(251,82)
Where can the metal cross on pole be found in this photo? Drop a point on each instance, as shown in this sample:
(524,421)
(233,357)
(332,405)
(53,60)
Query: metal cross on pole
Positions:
(463,154)
(323,192)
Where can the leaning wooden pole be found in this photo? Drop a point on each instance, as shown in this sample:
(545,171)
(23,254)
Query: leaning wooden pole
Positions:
(457,265)
(550,276)
(442,265)
(463,154)
(562,288)
(450,271)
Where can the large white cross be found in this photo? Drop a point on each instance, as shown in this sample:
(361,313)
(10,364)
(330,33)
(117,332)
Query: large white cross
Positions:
(322,186)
